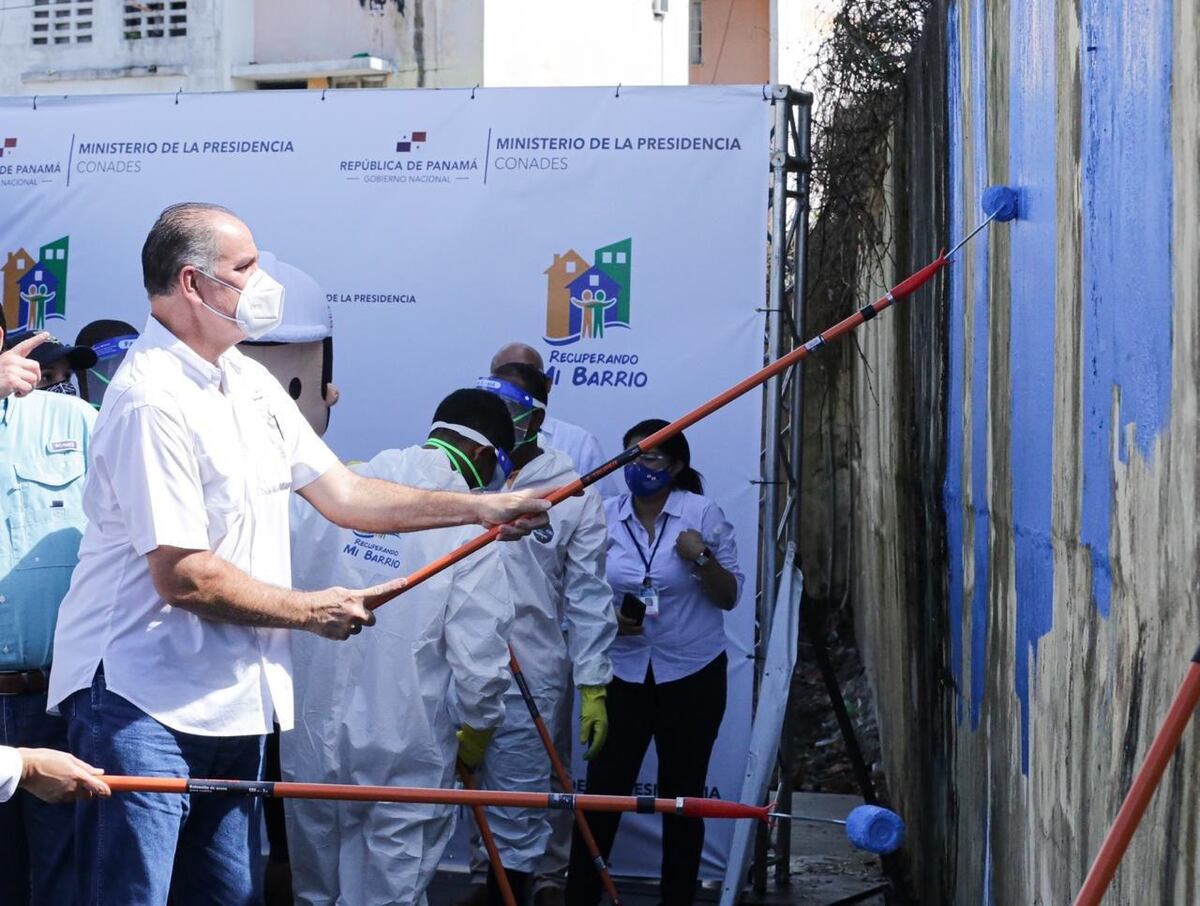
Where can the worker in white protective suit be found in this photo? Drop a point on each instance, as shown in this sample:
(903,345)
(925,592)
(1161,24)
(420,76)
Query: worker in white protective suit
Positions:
(558,582)
(384,709)
(578,443)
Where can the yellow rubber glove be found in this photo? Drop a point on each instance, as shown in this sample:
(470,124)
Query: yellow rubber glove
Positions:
(472,744)
(593,719)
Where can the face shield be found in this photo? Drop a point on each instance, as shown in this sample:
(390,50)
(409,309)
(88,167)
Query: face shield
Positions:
(520,404)
(110,354)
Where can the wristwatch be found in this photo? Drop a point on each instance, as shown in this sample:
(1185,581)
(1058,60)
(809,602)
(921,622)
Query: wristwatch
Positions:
(706,555)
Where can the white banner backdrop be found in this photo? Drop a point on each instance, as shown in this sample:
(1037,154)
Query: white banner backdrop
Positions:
(440,225)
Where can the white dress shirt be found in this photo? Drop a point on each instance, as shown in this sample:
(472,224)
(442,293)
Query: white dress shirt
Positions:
(689,630)
(11,768)
(197,456)
(581,448)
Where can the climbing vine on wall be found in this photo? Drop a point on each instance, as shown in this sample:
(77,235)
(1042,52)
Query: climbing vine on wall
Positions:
(860,73)
(858,81)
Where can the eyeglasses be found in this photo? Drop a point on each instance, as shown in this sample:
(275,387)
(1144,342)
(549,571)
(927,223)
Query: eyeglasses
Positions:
(655,460)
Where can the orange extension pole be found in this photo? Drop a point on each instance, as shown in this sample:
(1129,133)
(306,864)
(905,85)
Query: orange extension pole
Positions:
(1100,876)
(489,841)
(564,778)
(687,806)
(900,291)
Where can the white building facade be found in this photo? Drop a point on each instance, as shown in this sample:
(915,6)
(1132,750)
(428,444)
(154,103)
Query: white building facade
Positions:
(57,47)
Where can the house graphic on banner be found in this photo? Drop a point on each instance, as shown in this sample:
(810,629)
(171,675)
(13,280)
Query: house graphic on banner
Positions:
(583,300)
(35,289)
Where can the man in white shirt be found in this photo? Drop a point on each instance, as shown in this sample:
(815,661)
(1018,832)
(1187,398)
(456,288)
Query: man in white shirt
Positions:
(171,655)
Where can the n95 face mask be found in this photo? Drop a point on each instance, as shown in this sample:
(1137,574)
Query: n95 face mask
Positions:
(260,303)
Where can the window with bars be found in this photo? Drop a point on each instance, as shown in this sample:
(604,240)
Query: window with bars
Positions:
(696,32)
(358,81)
(155,19)
(58,22)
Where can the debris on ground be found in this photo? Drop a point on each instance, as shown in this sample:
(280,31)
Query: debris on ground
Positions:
(819,756)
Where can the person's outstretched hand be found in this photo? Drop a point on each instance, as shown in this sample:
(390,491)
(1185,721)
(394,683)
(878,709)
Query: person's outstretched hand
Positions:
(56,776)
(517,513)
(19,374)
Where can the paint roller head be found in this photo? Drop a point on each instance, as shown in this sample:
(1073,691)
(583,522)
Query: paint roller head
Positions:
(1000,202)
(875,829)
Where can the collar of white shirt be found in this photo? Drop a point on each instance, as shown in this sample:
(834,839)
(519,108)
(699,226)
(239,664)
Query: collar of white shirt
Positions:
(199,369)
(673,506)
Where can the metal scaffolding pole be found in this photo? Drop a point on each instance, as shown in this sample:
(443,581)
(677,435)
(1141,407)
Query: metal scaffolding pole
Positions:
(768,552)
(801,163)
(783,397)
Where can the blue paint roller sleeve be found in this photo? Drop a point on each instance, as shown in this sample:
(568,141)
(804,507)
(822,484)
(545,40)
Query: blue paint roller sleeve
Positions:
(875,829)
(1000,202)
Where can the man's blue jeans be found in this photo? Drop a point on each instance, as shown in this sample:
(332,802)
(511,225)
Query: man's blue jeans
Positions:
(35,837)
(140,847)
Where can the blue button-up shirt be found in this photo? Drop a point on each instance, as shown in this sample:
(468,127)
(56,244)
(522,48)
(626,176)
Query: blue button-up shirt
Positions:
(44,440)
(689,631)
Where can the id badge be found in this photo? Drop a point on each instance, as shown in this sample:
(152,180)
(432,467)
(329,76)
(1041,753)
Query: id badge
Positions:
(649,596)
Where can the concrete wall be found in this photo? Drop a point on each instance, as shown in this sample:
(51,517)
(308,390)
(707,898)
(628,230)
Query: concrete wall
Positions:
(434,44)
(1028,598)
(735,45)
(219,35)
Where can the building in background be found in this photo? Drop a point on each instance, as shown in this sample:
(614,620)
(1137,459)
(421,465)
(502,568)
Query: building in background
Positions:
(90,46)
(101,47)
(729,41)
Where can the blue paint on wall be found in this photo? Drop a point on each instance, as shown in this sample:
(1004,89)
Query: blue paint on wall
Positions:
(1031,350)
(963,216)
(979,250)
(1127,186)
(1126,297)
(952,492)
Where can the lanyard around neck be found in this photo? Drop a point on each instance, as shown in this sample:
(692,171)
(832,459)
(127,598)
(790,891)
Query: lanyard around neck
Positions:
(647,561)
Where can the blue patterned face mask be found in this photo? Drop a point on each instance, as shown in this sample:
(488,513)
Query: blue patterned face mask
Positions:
(68,387)
(644,481)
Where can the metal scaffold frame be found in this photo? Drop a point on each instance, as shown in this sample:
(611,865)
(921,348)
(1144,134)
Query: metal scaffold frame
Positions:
(783,396)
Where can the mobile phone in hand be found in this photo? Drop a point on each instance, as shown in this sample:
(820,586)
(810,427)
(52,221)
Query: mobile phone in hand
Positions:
(633,608)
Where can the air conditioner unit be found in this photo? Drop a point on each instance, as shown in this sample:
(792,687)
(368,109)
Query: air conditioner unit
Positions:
(659,8)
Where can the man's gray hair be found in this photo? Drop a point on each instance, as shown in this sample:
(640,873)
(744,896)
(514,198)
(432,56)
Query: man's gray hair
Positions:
(182,235)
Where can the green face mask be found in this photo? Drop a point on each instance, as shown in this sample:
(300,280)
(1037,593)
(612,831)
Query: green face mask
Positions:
(457,459)
(519,428)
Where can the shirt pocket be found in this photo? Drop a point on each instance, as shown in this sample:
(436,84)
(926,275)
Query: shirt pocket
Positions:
(46,517)
(222,482)
(272,463)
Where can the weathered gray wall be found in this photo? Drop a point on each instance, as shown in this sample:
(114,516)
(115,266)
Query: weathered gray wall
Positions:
(1026,547)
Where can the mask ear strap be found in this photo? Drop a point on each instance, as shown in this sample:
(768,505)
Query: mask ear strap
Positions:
(452,452)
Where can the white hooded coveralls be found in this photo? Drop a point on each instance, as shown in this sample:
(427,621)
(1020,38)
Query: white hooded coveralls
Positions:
(556,575)
(383,707)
